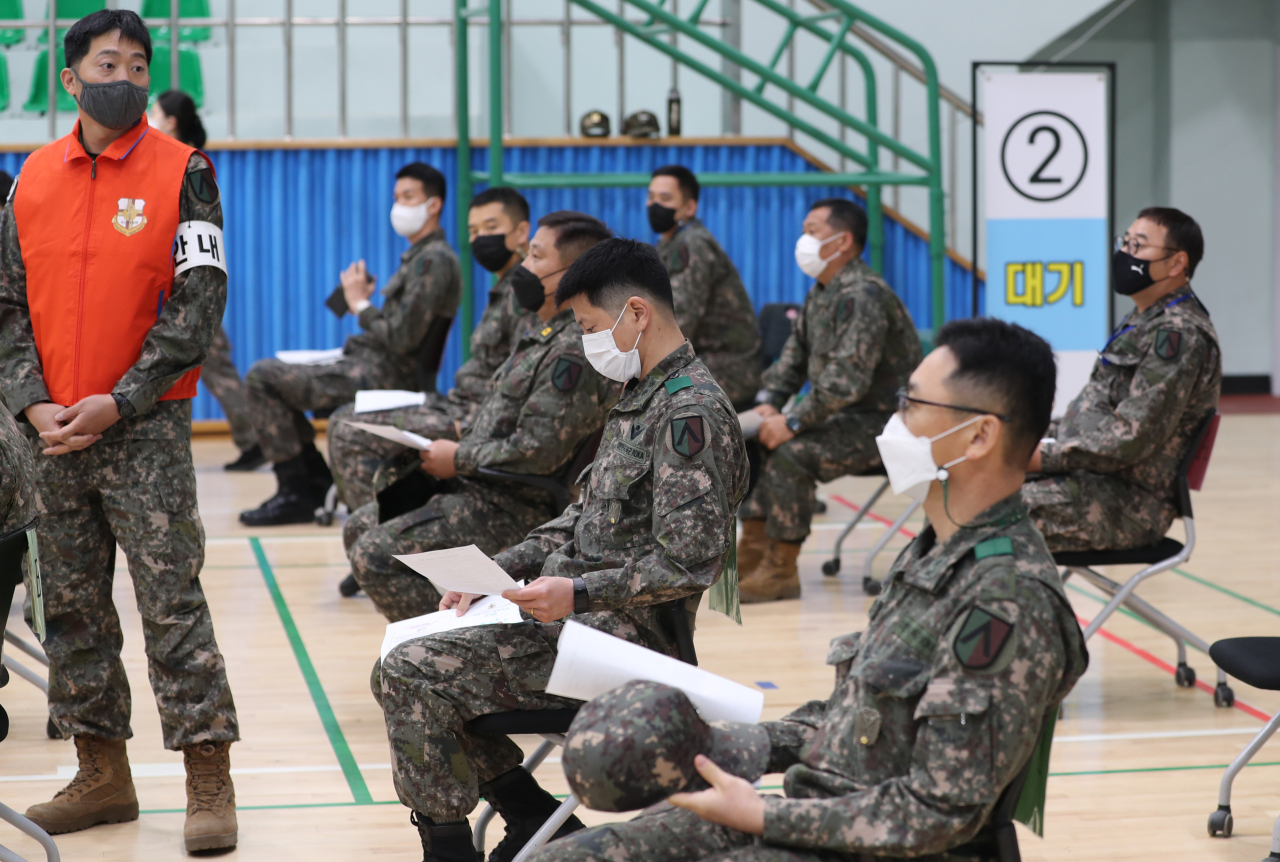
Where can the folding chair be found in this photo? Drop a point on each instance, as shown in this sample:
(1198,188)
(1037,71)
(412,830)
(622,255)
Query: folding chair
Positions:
(831,567)
(1254,661)
(552,725)
(1157,558)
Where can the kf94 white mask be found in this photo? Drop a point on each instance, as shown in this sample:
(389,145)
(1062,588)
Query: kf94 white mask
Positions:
(603,354)
(408,220)
(908,459)
(809,254)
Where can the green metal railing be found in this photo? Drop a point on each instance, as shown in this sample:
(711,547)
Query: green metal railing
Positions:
(832,26)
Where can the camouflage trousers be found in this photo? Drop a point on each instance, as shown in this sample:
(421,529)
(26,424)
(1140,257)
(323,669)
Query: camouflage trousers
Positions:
(664,833)
(1093,511)
(459,515)
(222,378)
(279,393)
(843,445)
(135,487)
(355,455)
(429,688)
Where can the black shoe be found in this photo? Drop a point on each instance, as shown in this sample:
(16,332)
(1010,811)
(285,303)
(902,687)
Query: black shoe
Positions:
(524,807)
(295,501)
(317,470)
(349,586)
(249,460)
(445,842)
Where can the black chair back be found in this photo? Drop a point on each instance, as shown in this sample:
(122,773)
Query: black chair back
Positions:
(776,322)
(559,486)
(430,352)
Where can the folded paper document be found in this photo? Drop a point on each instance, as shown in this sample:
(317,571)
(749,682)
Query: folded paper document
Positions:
(487,611)
(462,570)
(368,400)
(310,357)
(394,434)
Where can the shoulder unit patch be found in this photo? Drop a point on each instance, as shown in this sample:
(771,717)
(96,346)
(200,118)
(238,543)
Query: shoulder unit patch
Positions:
(844,311)
(688,435)
(566,373)
(1168,344)
(981,638)
(424,266)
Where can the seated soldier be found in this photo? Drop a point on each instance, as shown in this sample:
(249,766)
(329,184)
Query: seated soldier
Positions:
(712,306)
(1107,472)
(498,225)
(855,344)
(425,288)
(937,705)
(655,526)
(546,402)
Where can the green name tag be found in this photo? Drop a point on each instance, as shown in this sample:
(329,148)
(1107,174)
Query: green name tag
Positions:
(1002,546)
(676,384)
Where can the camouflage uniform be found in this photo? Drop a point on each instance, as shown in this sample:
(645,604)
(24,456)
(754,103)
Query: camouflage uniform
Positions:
(17,500)
(856,345)
(655,525)
(937,706)
(1108,481)
(135,487)
(546,401)
(427,286)
(354,455)
(714,311)
(222,378)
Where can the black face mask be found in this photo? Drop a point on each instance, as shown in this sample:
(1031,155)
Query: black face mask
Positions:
(528,289)
(115,104)
(661,219)
(1130,274)
(490,251)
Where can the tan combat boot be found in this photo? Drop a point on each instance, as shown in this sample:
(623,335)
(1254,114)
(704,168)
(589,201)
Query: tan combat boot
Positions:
(101,792)
(751,546)
(777,576)
(211,797)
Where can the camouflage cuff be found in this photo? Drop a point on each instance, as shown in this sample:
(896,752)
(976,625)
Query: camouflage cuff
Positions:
(19,396)
(464,458)
(368,316)
(1052,458)
(775,398)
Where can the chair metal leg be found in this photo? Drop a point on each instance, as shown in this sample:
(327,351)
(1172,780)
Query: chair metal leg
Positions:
(25,826)
(1275,842)
(885,539)
(27,674)
(832,566)
(543,835)
(1123,593)
(532,762)
(35,652)
(1220,820)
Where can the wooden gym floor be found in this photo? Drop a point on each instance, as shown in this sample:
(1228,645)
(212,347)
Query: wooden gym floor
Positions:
(1135,767)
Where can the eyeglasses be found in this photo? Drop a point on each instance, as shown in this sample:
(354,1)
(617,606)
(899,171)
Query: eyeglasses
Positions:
(905,400)
(1134,245)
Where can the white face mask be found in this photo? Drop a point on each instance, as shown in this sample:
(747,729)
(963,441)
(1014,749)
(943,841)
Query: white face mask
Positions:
(908,459)
(809,254)
(408,220)
(603,354)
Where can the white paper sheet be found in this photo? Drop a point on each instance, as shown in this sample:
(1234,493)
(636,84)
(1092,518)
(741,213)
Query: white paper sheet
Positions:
(394,434)
(463,570)
(309,357)
(368,400)
(487,611)
(590,662)
(750,421)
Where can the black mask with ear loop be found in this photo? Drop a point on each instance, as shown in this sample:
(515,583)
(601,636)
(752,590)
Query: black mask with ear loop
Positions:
(528,287)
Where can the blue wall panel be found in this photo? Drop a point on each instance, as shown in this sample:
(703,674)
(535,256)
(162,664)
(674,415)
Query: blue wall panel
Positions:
(295,217)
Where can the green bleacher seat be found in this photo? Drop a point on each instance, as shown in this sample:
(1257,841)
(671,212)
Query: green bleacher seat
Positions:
(190,77)
(10,10)
(4,83)
(186,9)
(38,98)
(69,9)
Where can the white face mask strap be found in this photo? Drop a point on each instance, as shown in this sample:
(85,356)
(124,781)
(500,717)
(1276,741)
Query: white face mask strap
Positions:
(823,242)
(615,326)
(957,428)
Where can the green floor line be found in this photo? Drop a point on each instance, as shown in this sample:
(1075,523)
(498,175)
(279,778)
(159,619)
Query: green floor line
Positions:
(1211,585)
(1156,769)
(359,790)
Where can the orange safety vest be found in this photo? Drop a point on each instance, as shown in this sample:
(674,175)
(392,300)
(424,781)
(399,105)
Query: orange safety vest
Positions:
(97,242)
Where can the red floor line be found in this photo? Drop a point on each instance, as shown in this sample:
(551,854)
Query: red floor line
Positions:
(872,515)
(1168,668)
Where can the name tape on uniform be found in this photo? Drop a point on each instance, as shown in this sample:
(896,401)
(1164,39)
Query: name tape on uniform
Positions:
(198,243)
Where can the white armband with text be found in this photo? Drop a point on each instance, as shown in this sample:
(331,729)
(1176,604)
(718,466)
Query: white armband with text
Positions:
(198,243)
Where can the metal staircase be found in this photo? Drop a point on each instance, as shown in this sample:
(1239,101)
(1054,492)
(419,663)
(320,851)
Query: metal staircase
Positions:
(835,23)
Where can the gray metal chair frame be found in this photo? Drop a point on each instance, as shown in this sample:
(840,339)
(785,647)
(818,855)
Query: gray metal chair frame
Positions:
(26,827)
(21,670)
(831,567)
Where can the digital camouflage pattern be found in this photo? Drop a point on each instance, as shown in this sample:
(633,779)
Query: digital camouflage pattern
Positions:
(427,286)
(653,526)
(222,378)
(355,455)
(17,477)
(909,754)
(546,401)
(135,487)
(855,344)
(1108,480)
(713,310)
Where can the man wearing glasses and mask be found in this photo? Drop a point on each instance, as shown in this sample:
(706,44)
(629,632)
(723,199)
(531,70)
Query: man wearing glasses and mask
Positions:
(1107,468)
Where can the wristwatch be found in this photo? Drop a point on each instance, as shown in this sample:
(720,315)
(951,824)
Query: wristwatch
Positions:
(581,599)
(793,422)
(124,406)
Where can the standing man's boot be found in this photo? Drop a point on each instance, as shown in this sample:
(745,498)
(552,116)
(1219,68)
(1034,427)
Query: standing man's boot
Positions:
(751,546)
(101,792)
(445,842)
(524,806)
(778,576)
(211,797)
(295,500)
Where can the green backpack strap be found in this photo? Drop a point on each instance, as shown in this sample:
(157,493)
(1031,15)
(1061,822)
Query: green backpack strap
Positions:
(1030,807)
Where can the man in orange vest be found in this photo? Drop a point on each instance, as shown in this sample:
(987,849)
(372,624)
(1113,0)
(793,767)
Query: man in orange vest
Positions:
(112,285)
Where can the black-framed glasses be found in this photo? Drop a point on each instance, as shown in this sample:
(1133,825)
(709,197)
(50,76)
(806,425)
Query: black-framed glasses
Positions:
(1134,245)
(904,400)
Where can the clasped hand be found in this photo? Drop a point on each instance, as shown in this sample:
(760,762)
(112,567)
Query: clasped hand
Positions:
(546,599)
(70,429)
(357,286)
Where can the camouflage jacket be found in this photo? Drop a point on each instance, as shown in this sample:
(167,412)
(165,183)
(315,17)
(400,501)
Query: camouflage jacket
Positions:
(713,309)
(938,704)
(17,477)
(656,522)
(500,326)
(427,286)
(1155,382)
(546,401)
(177,343)
(853,341)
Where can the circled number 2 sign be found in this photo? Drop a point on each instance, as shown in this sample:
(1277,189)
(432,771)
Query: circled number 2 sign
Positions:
(1044,156)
